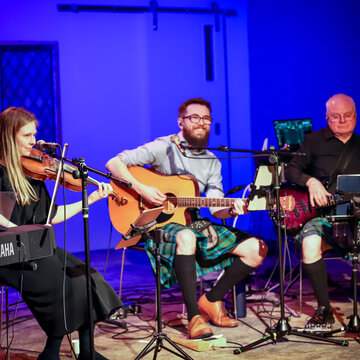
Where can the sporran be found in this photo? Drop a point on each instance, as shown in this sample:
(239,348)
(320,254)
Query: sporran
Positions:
(205,227)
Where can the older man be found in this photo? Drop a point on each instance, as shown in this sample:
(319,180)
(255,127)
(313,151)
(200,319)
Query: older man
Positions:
(329,152)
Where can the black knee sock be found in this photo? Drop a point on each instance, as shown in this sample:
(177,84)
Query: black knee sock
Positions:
(317,273)
(84,340)
(234,273)
(185,271)
(51,349)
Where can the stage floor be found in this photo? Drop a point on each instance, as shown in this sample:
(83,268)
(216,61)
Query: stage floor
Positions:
(138,289)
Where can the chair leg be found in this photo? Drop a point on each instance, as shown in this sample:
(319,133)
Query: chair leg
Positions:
(235,303)
(122,271)
(7,323)
(301,286)
(6,318)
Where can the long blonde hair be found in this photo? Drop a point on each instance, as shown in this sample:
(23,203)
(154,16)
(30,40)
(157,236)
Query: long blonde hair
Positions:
(11,121)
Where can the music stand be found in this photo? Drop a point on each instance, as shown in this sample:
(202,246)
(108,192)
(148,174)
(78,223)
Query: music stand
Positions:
(260,197)
(140,230)
(282,328)
(145,221)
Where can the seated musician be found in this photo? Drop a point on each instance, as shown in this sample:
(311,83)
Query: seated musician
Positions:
(187,253)
(329,152)
(42,289)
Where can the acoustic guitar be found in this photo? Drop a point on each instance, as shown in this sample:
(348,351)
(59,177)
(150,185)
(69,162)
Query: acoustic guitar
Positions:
(182,193)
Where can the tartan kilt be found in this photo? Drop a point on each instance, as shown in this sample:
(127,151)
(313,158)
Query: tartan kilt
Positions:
(323,228)
(207,260)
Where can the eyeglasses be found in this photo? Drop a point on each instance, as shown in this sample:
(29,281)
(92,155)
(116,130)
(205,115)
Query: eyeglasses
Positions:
(195,119)
(337,117)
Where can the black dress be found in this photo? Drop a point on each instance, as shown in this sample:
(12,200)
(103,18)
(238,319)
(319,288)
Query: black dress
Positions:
(42,290)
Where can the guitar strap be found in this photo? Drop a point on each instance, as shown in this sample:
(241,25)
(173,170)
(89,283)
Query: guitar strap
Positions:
(342,163)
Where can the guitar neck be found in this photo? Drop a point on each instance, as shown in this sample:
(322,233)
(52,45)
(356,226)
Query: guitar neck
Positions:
(198,201)
(332,200)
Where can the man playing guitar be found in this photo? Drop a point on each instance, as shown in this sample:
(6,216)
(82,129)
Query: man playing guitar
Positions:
(187,253)
(330,151)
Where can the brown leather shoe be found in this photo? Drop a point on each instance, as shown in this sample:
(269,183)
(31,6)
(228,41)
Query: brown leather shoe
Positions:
(216,313)
(199,328)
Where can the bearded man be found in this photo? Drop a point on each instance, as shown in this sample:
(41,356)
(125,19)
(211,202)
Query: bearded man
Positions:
(187,253)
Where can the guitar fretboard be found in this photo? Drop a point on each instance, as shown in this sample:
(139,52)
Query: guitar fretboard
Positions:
(203,202)
(333,200)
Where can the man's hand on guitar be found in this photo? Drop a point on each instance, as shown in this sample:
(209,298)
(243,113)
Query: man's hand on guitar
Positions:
(152,195)
(239,208)
(317,192)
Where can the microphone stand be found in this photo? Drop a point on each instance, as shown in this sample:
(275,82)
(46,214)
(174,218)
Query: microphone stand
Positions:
(76,175)
(354,322)
(82,173)
(283,327)
(85,211)
(254,152)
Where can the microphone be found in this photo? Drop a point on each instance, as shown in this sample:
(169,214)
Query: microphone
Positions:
(42,145)
(176,140)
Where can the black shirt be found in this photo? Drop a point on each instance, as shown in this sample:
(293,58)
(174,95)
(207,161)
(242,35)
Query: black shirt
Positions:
(322,151)
(45,289)
(34,213)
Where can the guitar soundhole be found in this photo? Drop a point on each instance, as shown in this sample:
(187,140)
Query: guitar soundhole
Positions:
(170,203)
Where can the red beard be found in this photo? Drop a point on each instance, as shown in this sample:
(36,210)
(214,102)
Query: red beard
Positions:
(195,140)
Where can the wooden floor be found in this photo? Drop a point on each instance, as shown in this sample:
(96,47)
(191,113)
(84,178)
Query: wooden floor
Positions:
(138,292)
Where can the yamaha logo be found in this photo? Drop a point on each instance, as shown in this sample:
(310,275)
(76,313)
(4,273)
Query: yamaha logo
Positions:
(6,249)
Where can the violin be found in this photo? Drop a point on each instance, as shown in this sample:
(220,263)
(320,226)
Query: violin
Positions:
(41,166)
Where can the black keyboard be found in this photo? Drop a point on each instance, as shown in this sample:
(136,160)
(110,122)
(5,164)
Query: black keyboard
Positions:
(25,243)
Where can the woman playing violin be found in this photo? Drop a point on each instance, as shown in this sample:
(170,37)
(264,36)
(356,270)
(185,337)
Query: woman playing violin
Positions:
(42,289)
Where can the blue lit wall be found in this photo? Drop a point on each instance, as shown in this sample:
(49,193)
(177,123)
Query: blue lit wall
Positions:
(301,53)
(121,82)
